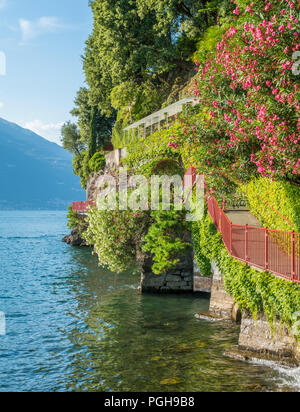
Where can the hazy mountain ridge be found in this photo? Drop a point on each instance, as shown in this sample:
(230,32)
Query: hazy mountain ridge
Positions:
(34,173)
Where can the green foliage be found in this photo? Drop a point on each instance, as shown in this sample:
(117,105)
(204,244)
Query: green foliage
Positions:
(203,262)
(138,50)
(166,239)
(144,154)
(134,102)
(189,18)
(83,111)
(252,290)
(281,196)
(124,47)
(93,134)
(70,138)
(81,167)
(97,162)
(76,222)
(208,43)
(116,236)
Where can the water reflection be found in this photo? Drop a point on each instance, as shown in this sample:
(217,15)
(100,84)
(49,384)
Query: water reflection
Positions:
(129,342)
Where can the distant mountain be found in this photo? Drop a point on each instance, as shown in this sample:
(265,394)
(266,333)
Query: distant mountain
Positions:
(34,173)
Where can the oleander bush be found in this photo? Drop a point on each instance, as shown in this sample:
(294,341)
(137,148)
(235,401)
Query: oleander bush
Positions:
(116,236)
(247,120)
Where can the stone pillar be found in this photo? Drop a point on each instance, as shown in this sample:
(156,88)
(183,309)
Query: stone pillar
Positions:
(179,280)
(221,304)
(202,284)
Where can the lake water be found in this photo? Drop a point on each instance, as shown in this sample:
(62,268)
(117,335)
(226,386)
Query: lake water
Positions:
(71,326)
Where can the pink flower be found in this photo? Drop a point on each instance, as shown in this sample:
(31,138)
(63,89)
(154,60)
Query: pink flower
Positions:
(281,28)
(236,11)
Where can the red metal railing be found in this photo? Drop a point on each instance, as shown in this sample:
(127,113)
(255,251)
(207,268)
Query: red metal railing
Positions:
(82,207)
(273,250)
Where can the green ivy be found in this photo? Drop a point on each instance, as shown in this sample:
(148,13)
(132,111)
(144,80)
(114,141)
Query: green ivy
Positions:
(203,263)
(281,196)
(166,239)
(252,290)
(151,149)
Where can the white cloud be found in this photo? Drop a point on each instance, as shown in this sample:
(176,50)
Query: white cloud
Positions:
(50,131)
(32,29)
(1,105)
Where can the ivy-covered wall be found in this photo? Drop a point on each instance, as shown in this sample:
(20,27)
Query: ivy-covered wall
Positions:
(266,196)
(253,290)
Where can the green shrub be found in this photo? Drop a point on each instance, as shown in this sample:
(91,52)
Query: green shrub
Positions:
(281,196)
(97,162)
(116,236)
(165,239)
(152,149)
(81,167)
(76,222)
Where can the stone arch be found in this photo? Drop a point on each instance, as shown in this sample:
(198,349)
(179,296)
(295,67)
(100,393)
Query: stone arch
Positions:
(168,166)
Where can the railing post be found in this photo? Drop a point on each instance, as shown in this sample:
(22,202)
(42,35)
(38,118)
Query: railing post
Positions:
(246,243)
(230,238)
(266,249)
(293,271)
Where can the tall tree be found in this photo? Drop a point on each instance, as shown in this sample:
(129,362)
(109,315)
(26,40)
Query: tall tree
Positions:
(93,133)
(70,139)
(103,125)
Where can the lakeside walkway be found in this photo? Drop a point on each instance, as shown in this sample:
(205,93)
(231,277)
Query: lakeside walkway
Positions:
(242,217)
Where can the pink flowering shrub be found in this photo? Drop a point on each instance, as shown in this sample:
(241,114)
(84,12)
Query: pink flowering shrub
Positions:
(248,119)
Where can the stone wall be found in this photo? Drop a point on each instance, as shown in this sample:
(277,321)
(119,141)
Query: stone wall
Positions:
(221,304)
(93,186)
(113,159)
(257,336)
(179,280)
(201,283)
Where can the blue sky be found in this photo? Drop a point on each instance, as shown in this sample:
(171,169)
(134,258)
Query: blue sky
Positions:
(42,41)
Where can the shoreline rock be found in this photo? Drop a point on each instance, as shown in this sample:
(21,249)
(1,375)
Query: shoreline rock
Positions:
(74,239)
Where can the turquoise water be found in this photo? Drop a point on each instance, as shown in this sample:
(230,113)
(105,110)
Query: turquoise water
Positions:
(71,326)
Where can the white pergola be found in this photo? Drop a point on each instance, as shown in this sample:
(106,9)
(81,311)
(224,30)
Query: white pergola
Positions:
(156,119)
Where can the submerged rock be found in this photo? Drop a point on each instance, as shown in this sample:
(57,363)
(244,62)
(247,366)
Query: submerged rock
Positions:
(74,239)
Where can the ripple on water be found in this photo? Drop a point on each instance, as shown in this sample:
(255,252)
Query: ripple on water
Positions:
(72,326)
